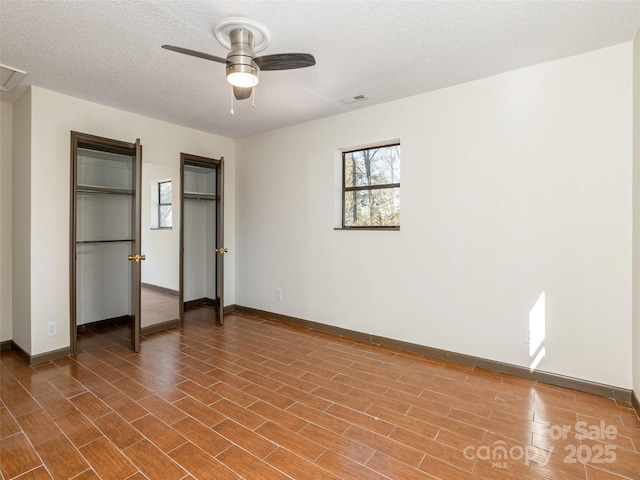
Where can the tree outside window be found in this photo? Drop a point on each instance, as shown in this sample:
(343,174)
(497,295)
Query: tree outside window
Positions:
(371,188)
(165,209)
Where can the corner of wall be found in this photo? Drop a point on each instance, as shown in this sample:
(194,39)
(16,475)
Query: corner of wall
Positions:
(6,132)
(636,219)
(21,222)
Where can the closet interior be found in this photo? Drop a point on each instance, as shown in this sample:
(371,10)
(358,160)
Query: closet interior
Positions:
(105,231)
(202,233)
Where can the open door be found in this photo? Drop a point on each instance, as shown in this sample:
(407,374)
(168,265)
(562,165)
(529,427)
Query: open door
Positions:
(137,257)
(220,248)
(105,235)
(202,237)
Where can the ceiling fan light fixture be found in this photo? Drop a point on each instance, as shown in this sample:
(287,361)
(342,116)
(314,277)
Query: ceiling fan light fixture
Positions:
(243,67)
(243,76)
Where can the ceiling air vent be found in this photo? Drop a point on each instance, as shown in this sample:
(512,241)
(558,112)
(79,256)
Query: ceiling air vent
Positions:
(354,99)
(10,78)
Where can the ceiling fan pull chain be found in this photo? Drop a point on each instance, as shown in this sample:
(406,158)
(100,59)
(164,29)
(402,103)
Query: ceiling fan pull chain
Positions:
(253,94)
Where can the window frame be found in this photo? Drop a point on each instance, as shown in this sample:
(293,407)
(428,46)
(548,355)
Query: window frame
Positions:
(160,205)
(346,189)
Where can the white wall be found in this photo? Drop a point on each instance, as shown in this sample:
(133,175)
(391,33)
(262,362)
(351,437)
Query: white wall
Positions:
(53,117)
(199,254)
(6,132)
(20,222)
(636,215)
(512,186)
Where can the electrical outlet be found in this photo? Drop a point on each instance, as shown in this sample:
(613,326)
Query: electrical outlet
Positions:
(278,294)
(527,335)
(51,329)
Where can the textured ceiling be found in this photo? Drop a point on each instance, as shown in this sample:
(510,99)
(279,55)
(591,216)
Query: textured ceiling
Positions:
(108,51)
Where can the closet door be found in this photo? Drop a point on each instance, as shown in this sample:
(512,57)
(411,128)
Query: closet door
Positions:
(137,257)
(220,248)
(105,235)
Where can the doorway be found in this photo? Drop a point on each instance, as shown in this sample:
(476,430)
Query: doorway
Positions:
(202,235)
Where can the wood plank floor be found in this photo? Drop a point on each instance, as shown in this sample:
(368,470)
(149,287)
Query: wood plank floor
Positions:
(256,399)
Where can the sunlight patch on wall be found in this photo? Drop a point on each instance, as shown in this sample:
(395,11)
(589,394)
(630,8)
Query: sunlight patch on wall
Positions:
(537,321)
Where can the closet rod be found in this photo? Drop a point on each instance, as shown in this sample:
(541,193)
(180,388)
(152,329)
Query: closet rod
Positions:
(109,190)
(124,240)
(201,196)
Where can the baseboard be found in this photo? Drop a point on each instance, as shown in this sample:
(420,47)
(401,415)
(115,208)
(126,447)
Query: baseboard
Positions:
(198,302)
(495,366)
(160,289)
(21,352)
(322,327)
(49,356)
(499,367)
(34,360)
(107,322)
(635,401)
(158,327)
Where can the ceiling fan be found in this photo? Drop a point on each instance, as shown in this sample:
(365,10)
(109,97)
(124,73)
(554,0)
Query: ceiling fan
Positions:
(243,67)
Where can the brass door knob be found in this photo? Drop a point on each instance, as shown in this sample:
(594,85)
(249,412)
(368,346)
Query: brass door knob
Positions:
(221,250)
(136,258)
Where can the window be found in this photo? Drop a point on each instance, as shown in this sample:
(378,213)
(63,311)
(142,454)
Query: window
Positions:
(371,188)
(165,210)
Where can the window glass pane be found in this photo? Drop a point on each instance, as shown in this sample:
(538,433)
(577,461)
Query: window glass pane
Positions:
(165,192)
(166,216)
(373,166)
(372,208)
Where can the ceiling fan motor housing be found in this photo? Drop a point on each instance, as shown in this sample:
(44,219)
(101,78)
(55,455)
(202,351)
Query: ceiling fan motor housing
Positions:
(240,58)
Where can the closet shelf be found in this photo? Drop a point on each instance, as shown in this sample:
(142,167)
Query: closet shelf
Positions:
(201,196)
(103,189)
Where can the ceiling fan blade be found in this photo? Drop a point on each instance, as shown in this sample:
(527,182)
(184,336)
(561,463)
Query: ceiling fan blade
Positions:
(194,53)
(285,61)
(242,93)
